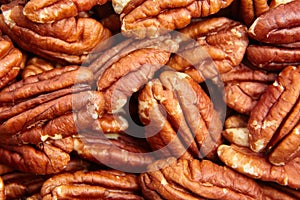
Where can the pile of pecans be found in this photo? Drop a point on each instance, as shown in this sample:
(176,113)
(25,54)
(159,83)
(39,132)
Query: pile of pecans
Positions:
(150,99)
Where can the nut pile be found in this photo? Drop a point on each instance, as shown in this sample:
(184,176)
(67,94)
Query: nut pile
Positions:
(150,99)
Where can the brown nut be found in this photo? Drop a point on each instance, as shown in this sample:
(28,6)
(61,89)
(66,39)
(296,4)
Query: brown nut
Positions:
(272,58)
(101,184)
(36,66)
(255,165)
(275,118)
(124,69)
(243,87)
(68,40)
(194,179)
(150,18)
(278,192)
(10,61)
(179,116)
(270,28)
(210,47)
(54,10)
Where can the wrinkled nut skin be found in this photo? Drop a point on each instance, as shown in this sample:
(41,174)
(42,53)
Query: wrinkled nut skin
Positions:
(277,28)
(101,184)
(36,66)
(150,18)
(243,87)
(277,192)
(178,114)
(10,61)
(275,118)
(215,46)
(54,10)
(195,179)
(255,165)
(68,40)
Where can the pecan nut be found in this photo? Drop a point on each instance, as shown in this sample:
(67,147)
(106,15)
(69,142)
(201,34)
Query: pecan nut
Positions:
(210,47)
(275,118)
(36,66)
(276,191)
(101,184)
(68,40)
(151,18)
(243,87)
(195,179)
(255,165)
(54,10)
(179,116)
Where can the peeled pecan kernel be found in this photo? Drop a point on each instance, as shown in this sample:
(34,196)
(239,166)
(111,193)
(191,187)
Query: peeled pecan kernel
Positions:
(68,40)
(221,40)
(178,114)
(195,179)
(271,116)
(101,184)
(36,66)
(151,18)
(20,185)
(126,68)
(275,28)
(236,131)
(10,61)
(256,165)
(244,86)
(54,10)
(271,57)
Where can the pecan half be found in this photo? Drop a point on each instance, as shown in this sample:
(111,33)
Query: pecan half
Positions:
(179,116)
(194,179)
(243,87)
(36,66)
(150,18)
(10,61)
(125,68)
(275,118)
(210,47)
(255,165)
(54,10)
(101,184)
(69,40)
(278,192)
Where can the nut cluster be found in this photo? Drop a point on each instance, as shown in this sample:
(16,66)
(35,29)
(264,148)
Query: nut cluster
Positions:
(149,99)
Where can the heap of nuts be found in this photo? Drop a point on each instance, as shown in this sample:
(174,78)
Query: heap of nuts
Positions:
(146,99)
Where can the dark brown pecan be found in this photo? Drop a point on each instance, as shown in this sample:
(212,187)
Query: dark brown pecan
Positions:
(256,165)
(36,66)
(10,61)
(270,28)
(179,116)
(236,131)
(5,169)
(124,69)
(150,18)
(210,47)
(275,118)
(68,40)
(195,179)
(19,185)
(101,184)
(272,58)
(273,191)
(54,10)
(243,87)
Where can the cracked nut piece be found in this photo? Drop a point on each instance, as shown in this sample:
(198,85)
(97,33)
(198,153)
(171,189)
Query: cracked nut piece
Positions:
(179,116)
(36,66)
(243,87)
(277,28)
(274,121)
(69,40)
(210,47)
(101,184)
(54,10)
(195,179)
(255,165)
(10,61)
(149,18)
(125,68)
